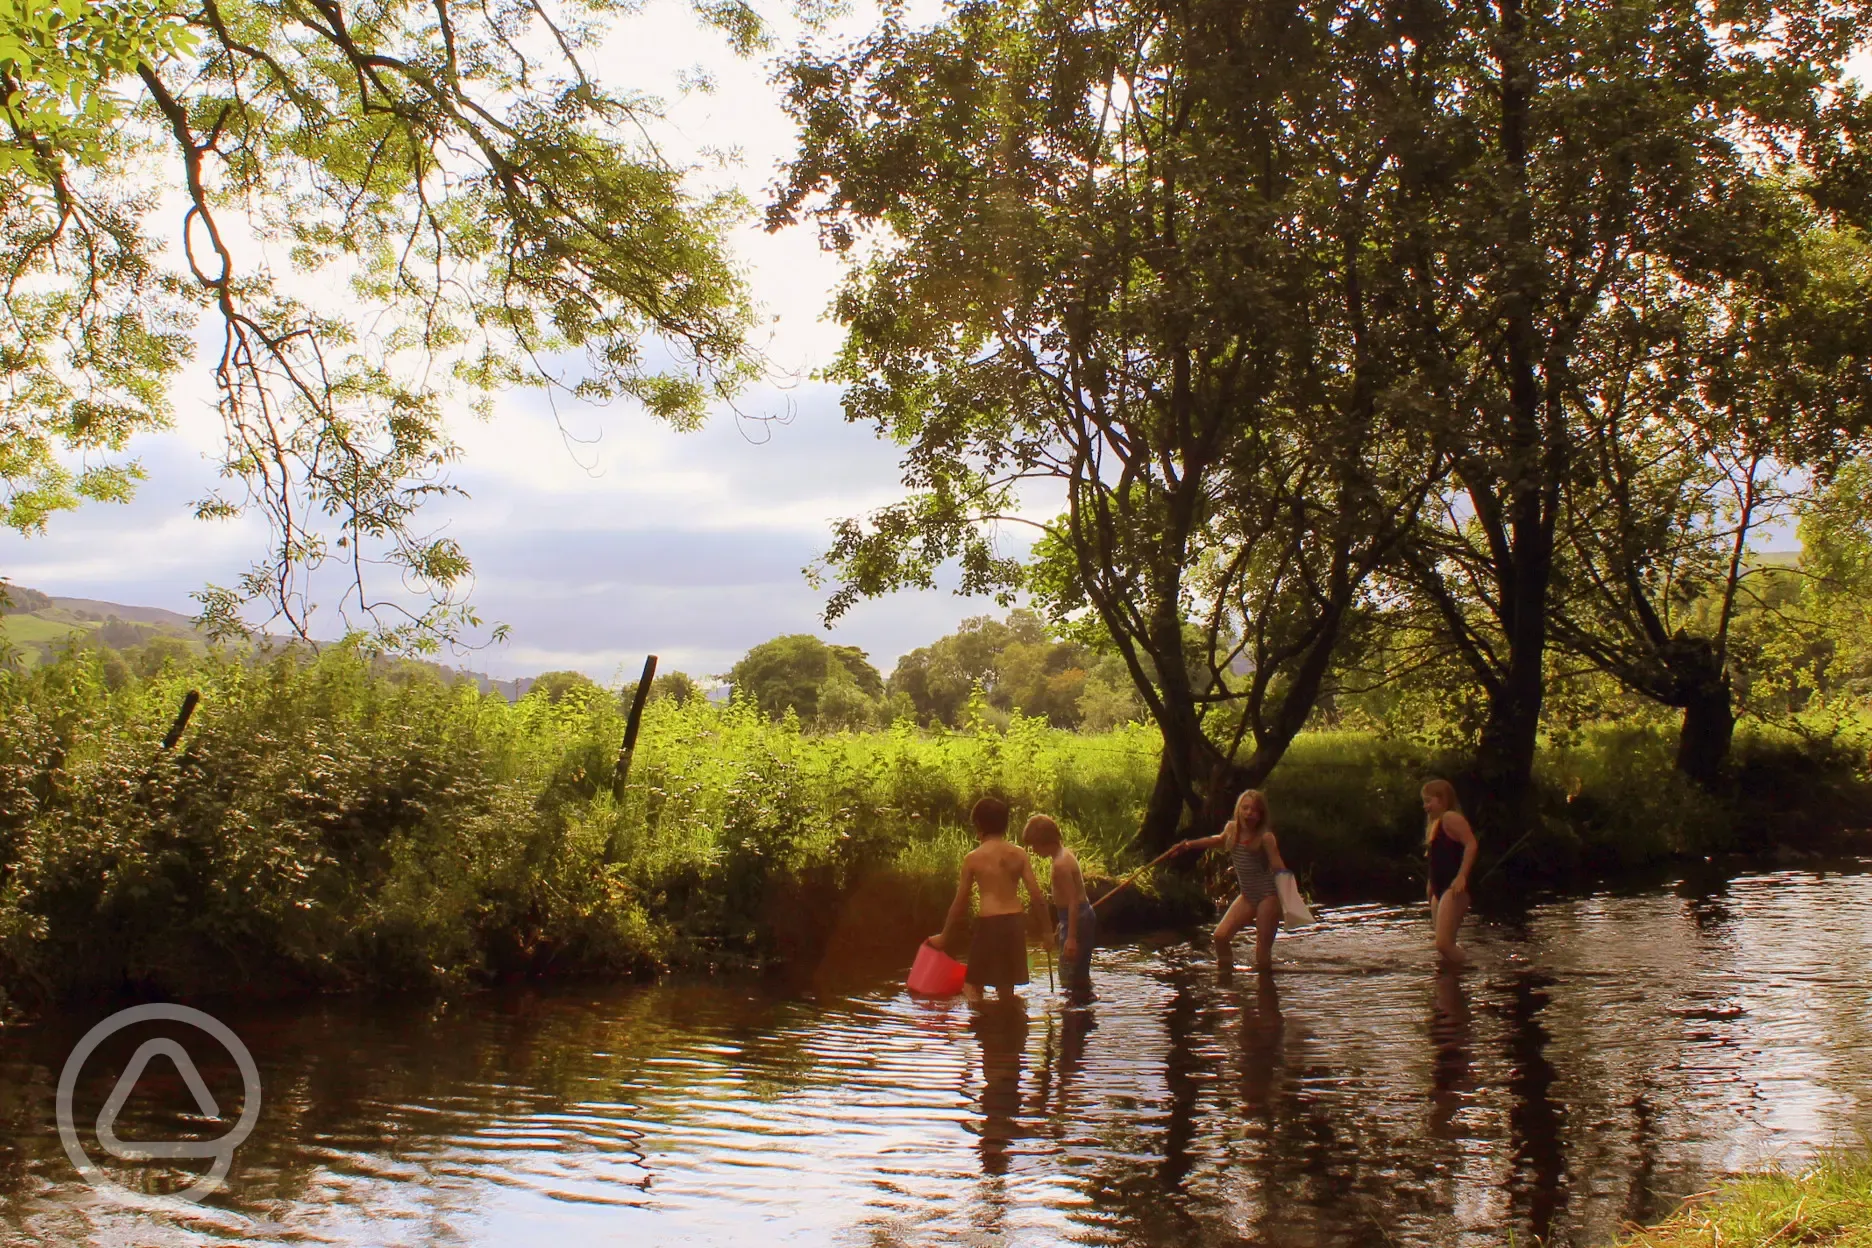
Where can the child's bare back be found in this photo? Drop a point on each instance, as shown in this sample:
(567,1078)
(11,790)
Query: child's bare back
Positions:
(998,868)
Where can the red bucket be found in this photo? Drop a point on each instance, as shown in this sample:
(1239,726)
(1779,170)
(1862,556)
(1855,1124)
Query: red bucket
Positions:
(935,973)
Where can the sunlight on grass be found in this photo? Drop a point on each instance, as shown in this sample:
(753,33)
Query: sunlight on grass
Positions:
(1829,1203)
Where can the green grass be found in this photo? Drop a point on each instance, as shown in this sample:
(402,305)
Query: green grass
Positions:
(329,823)
(1829,1203)
(325,825)
(26,630)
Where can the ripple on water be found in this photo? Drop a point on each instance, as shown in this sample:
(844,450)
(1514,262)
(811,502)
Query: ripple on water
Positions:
(1603,1057)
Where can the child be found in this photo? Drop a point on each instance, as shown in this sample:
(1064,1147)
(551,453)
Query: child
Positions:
(998,953)
(1078,922)
(1249,840)
(1451,845)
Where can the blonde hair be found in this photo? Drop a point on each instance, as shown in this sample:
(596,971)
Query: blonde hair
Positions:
(1447,791)
(1231,831)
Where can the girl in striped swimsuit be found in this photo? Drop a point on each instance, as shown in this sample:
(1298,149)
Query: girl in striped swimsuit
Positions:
(1249,840)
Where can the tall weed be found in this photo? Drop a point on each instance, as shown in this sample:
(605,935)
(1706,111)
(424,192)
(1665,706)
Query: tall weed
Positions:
(322,825)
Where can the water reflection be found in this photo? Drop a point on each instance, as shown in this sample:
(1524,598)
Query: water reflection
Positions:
(1000,1029)
(1601,1059)
(1260,1034)
(1536,1123)
(1450,1028)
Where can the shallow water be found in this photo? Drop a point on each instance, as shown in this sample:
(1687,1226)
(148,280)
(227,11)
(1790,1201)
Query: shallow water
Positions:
(1602,1059)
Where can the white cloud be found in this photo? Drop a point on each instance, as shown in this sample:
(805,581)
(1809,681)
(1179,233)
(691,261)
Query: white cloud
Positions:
(619,537)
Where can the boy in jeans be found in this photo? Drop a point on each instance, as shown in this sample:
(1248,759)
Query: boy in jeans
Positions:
(1078,922)
(998,953)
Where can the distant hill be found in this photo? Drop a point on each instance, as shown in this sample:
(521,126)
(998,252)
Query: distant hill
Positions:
(39,626)
(91,609)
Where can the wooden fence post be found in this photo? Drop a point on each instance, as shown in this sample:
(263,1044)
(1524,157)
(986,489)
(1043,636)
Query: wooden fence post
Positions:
(621,775)
(181,720)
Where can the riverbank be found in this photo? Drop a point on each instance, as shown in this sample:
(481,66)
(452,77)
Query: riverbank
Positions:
(1829,1203)
(328,826)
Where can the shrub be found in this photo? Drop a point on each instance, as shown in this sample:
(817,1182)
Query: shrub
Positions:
(324,824)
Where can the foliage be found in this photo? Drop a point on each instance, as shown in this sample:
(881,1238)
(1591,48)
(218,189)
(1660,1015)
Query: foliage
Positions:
(17,599)
(1808,652)
(1611,212)
(58,59)
(1020,667)
(1704,411)
(1235,280)
(1827,1202)
(1144,255)
(678,685)
(558,686)
(333,821)
(324,825)
(84,356)
(827,686)
(493,210)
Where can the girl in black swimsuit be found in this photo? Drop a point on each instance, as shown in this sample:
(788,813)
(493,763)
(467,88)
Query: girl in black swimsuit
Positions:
(1451,845)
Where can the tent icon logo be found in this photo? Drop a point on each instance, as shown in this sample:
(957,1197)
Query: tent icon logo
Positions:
(221,1150)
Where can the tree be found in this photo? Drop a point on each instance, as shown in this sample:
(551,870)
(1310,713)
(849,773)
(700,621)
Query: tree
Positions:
(1807,642)
(1108,697)
(675,686)
(856,665)
(161,652)
(679,686)
(1143,255)
(1549,156)
(1017,664)
(18,600)
(556,687)
(1700,413)
(1836,539)
(826,686)
(495,214)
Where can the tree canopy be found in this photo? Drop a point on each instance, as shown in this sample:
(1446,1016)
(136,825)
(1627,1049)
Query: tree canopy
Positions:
(1018,665)
(1138,255)
(825,686)
(1250,287)
(494,211)
(1569,166)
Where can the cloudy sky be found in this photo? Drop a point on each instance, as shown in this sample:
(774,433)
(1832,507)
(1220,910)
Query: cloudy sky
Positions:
(619,538)
(624,538)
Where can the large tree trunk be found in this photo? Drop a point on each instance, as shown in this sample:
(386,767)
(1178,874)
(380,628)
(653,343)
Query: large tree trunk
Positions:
(1192,784)
(1708,730)
(1524,569)
(1503,797)
(1194,793)
(1504,801)
(1226,782)
(1163,813)
(1192,775)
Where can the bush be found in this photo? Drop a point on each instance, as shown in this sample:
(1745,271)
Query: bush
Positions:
(324,825)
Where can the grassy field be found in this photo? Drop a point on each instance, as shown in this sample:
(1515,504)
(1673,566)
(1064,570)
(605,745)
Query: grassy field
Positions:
(31,630)
(1829,1204)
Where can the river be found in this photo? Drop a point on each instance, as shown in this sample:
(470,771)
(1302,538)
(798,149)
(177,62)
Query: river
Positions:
(1604,1057)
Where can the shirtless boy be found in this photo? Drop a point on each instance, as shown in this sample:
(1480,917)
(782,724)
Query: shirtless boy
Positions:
(1078,922)
(998,952)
